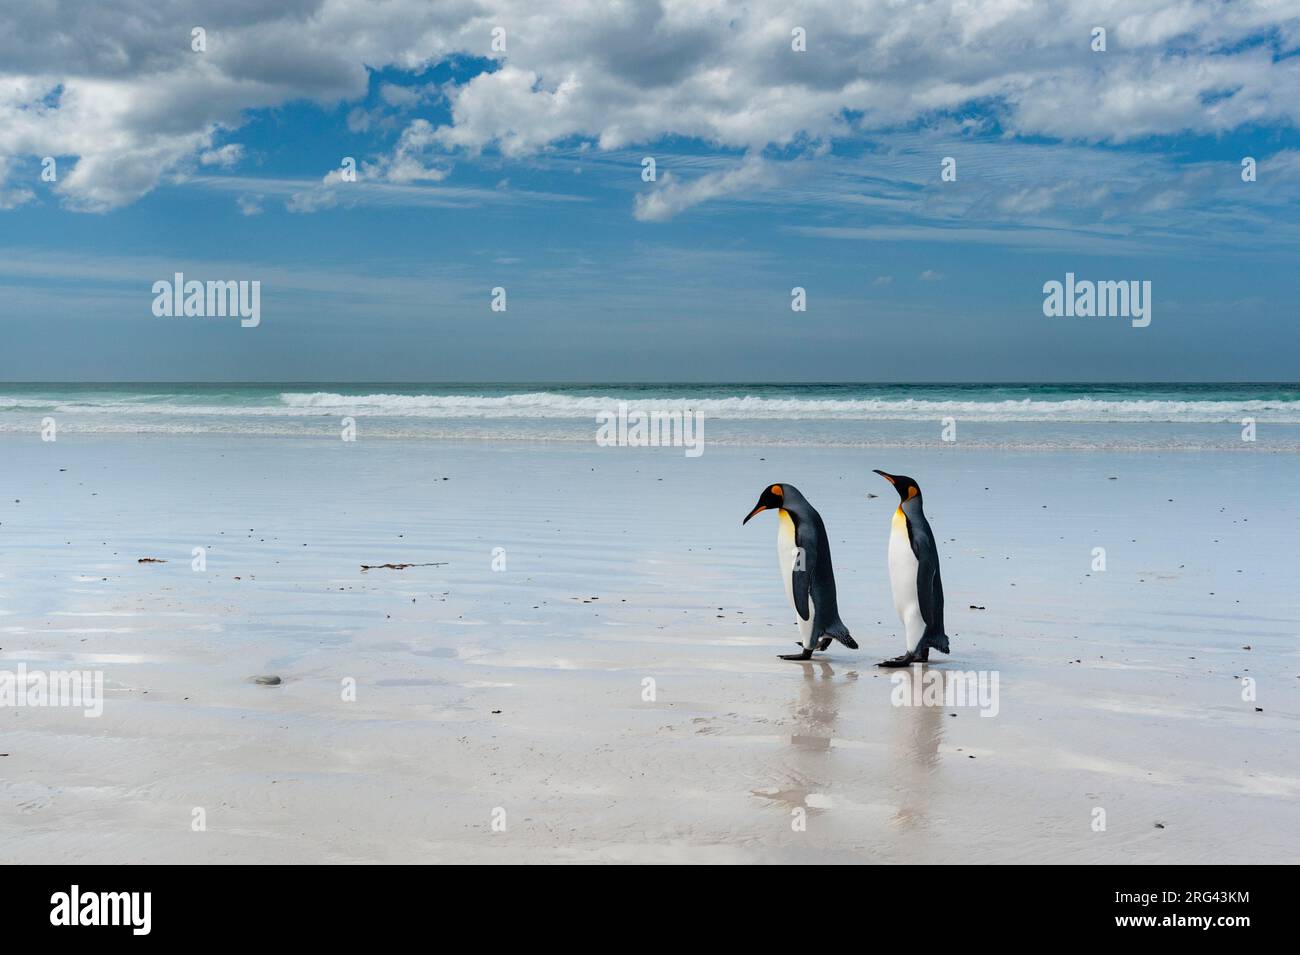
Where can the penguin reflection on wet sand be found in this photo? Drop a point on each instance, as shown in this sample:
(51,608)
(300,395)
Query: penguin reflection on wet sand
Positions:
(914,576)
(804,550)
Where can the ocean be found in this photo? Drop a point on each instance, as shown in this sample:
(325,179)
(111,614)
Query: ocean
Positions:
(1240,417)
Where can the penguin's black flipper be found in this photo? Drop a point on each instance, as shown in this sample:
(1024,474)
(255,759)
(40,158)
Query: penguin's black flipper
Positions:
(929,585)
(800,581)
(816,584)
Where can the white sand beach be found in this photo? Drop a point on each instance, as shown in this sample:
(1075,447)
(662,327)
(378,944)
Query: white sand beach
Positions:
(522,689)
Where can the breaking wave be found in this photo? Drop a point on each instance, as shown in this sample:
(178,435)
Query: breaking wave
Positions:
(543,404)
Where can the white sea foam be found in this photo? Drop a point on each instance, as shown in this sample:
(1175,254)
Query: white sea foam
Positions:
(1152,420)
(551,405)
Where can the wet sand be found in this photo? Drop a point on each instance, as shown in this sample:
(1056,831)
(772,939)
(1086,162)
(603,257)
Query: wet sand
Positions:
(519,694)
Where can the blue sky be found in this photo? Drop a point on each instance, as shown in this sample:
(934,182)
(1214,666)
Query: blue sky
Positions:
(775,168)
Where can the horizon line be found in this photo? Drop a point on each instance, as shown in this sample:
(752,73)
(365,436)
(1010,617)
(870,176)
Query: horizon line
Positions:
(660,383)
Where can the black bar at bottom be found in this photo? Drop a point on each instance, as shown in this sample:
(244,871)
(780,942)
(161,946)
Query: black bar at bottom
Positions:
(136,905)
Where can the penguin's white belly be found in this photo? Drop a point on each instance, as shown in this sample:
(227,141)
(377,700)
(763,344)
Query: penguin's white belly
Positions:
(785,551)
(902,581)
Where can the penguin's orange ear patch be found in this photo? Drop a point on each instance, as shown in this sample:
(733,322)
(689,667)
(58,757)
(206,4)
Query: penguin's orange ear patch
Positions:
(912,491)
(776,489)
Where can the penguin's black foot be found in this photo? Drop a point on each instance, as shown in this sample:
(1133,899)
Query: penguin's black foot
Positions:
(826,642)
(907,659)
(806,655)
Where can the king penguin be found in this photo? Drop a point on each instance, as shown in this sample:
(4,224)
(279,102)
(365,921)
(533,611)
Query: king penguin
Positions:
(805,555)
(914,575)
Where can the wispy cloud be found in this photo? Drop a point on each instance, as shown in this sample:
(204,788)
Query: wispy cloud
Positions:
(306,195)
(675,195)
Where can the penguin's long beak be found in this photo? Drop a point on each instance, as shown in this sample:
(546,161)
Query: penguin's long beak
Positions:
(761,507)
(887,477)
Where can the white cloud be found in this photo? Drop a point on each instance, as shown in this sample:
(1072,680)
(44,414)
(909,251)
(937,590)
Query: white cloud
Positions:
(312,200)
(409,162)
(673,195)
(118,88)
(12,198)
(227,156)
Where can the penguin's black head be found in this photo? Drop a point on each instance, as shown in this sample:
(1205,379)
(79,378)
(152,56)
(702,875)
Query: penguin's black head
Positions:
(905,486)
(772,498)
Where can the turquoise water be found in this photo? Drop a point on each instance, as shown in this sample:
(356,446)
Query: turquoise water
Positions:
(1135,416)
